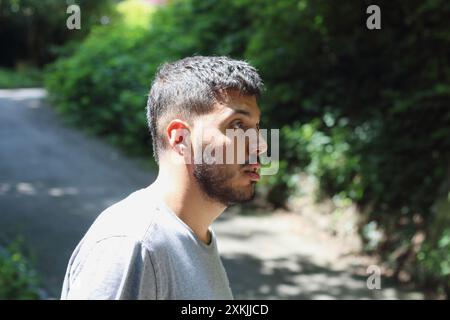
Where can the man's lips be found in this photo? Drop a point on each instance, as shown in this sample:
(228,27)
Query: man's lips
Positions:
(252,171)
(253,175)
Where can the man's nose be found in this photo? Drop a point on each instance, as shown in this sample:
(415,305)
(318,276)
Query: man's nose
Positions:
(262,144)
(258,147)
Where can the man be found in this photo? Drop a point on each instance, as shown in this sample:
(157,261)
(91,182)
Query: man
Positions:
(158,242)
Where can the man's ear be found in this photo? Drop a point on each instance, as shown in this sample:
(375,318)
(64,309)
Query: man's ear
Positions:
(178,132)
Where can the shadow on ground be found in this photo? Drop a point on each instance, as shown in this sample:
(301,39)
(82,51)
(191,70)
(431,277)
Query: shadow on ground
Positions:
(298,278)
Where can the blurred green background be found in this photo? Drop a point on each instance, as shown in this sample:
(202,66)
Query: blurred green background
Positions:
(365,112)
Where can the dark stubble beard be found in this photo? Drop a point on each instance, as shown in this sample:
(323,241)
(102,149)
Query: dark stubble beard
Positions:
(215,182)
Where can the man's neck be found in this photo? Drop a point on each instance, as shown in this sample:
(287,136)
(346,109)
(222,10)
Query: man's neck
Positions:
(184,197)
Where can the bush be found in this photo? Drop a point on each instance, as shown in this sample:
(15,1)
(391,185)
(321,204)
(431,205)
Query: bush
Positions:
(22,78)
(31,31)
(18,279)
(434,261)
(102,86)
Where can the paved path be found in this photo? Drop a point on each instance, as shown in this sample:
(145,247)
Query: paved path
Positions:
(54,181)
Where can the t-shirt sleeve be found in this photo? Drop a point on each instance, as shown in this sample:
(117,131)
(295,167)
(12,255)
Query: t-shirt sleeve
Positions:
(116,268)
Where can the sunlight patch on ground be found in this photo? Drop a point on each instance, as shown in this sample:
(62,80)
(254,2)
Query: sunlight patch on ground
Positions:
(23,94)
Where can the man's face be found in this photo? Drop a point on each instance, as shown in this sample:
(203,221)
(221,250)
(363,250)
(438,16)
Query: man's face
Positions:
(231,173)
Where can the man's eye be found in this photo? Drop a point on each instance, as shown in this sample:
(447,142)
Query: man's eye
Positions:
(237,125)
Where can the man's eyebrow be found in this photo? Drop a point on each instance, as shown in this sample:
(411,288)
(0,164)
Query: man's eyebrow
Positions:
(240,111)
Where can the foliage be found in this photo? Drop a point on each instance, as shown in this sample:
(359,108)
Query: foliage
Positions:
(18,279)
(22,78)
(31,31)
(435,261)
(103,85)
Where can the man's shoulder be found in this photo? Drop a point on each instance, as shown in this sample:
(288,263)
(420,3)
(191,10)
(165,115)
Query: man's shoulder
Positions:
(131,217)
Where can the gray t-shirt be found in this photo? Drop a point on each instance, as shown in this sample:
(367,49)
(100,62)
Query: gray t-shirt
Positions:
(140,249)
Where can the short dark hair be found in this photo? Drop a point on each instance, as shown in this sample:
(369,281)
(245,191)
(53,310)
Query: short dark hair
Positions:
(190,87)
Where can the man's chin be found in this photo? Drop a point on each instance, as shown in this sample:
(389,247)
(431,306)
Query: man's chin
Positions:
(219,187)
(243,197)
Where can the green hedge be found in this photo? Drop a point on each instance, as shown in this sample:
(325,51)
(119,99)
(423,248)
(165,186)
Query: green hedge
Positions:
(32,32)
(21,78)
(18,279)
(102,86)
